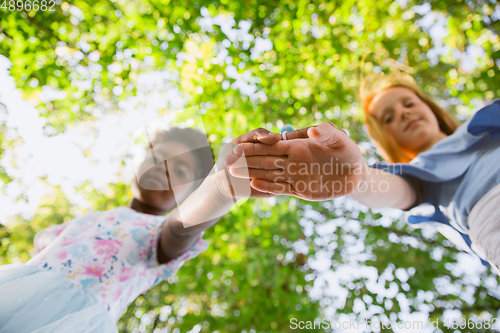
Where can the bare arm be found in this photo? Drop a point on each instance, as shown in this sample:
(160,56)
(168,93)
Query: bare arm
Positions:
(340,170)
(207,204)
(201,210)
(381,189)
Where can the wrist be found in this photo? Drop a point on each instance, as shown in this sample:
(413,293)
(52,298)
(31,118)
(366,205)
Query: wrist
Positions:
(203,207)
(363,183)
(220,188)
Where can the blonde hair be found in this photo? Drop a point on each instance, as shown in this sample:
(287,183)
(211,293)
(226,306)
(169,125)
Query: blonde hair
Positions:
(370,87)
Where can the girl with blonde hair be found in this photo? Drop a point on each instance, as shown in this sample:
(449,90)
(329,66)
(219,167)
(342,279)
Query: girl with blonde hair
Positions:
(445,173)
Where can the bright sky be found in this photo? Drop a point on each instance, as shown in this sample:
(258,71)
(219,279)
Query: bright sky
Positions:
(61,159)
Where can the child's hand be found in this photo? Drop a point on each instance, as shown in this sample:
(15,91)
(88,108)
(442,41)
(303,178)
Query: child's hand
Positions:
(218,192)
(232,187)
(325,166)
(261,135)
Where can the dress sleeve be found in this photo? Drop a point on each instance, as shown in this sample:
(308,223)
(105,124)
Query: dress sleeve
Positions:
(44,237)
(164,271)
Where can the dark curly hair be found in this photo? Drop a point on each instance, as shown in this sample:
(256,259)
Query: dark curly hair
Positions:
(193,139)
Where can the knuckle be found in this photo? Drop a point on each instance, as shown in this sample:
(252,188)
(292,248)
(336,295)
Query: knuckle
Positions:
(250,149)
(262,163)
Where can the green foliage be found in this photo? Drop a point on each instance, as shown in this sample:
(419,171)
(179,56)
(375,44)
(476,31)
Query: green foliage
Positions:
(251,277)
(17,240)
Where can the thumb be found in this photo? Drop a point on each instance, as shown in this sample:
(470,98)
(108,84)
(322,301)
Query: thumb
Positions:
(327,134)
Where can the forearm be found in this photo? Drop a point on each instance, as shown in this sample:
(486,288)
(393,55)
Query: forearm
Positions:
(381,189)
(201,210)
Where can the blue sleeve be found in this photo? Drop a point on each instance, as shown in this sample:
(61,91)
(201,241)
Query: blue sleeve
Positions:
(412,178)
(450,158)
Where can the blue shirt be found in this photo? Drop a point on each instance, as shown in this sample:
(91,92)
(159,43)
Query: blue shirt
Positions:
(456,172)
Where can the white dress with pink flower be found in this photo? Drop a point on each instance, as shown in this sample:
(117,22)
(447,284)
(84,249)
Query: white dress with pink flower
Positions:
(111,255)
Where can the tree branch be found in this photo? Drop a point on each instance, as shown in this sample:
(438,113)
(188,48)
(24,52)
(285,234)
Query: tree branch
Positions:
(2,31)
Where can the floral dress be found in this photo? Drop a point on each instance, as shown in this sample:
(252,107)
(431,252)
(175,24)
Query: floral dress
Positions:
(111,255)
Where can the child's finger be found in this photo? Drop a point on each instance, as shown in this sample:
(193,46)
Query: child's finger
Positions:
(269,175)
(270,139)
(230,159)
(260,162)
(257,194)
(252,149)
(272,187)
(297,134)
(258,135)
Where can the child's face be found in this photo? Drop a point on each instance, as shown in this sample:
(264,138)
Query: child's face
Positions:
(408,119)
(155,188)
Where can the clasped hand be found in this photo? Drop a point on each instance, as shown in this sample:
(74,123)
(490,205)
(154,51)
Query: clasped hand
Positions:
(316,163)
